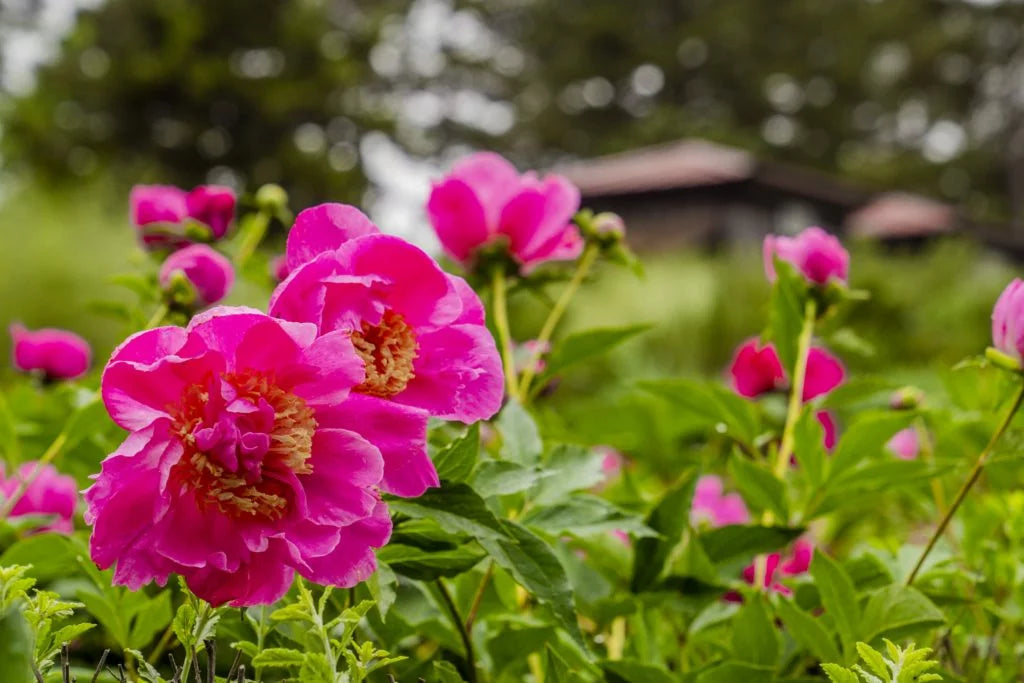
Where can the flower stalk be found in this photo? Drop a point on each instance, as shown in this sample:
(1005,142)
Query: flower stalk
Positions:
(797,390)
(972,477)
(461,627)
(586,262)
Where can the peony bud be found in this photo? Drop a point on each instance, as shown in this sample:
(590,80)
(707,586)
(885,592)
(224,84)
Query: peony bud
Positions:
(58,354)
(1008,326)
(815,254)
(196,276)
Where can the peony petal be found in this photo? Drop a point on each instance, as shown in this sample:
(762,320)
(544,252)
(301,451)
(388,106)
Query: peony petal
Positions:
(324,228)
(458,217)
(352,560)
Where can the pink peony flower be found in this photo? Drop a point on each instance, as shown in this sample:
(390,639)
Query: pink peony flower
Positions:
(484,200)
(779,567)
(160,212)
(419,331)
(711,507)
(824,373)
(58,354)
(52,493)
(756,369)
(209,274)
(1008,320)
(245,461)
(904,444)
(816,255)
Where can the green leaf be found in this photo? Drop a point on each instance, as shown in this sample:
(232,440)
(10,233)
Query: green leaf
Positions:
(9,449)
(15,647)
(735,540)
(278,657)
(455,507)
(536,567)
(632,671)
(838,596)
(456,462)
(839,674)
(894,610)
(668,518)
(501,478)
(568,468)
(427,565)
(520,439)
(734,672)
(87,419)
(316,669)
(446,673)
(581,346)
(50,555)
(759,487)
(584,515)
(786,316)
(865,438)
(556,669)
(754,638)
(717,408)
(151,619)
(147,670)
(874,660)
(807,631)
(809,448)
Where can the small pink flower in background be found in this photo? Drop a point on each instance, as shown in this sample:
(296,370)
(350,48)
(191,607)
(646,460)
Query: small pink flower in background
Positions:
(815,254)
(904,444)
(779,567)
(622,536)
(419,331)
(279,268)
(484,200)
(160,211)
(52,493)
(710,506)
(829,425)
(1008,320)
(756,369)
(57,354)
(208,273)
(824,373)
(523,353)
(243,464)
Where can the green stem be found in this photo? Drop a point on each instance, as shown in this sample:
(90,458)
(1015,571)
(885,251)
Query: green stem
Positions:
(500,294)
(803,347)
(45,460)
(255,231)
(467,640)
(478,598)
(586,262)
(158,316)
(972,477)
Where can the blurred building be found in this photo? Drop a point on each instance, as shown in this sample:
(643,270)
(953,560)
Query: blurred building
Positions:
(695,192)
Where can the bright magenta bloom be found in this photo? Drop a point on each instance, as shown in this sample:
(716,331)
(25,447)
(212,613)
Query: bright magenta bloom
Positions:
(829,425)
(209,274)
(712,507)
(419,331)
(756,369)
(904,444)
(52,493)
(815,254)
(243,464)
(160,211)
(58,354)
(1008,320)
(779,568)
(484,200)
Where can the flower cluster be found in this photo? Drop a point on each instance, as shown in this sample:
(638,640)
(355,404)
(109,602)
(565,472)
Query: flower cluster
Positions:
(169,217)
(259,444)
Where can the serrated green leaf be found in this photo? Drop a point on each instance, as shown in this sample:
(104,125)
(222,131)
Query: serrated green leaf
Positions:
(839,674)
(455,507)
(895,609)
(502,478)
(279,657)
(427,565)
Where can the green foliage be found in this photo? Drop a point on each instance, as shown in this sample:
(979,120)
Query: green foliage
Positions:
(909,665)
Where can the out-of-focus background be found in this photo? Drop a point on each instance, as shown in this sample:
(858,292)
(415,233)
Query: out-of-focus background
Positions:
(898,124)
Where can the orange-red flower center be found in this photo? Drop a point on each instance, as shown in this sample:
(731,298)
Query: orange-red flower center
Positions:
(388,350)
(244,437)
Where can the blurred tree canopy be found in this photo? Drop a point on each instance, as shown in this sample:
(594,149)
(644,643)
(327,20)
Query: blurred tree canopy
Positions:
(924,95)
